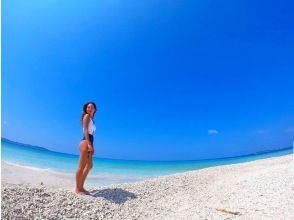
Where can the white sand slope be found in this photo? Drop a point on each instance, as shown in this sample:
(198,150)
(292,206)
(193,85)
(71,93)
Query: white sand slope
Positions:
(262,189)
(16,174)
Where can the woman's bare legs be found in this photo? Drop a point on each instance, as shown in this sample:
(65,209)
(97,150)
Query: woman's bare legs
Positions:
(87,168)
(81,167)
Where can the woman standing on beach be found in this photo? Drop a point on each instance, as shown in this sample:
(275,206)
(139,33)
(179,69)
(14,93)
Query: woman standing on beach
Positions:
(86,147)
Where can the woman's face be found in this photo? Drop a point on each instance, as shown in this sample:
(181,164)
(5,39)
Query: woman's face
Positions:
(91,109)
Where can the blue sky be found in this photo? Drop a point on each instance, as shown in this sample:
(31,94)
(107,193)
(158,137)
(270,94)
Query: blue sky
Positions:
(173,79)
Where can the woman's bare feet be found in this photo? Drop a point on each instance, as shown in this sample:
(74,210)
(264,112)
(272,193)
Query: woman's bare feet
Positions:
(86,191)
(82,192)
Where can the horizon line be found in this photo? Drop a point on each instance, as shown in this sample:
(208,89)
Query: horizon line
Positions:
(219,158)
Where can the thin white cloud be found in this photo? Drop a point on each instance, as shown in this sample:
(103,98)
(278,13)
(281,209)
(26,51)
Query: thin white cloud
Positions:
(212,131)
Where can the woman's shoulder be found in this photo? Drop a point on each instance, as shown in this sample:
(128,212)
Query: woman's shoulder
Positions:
(86,116)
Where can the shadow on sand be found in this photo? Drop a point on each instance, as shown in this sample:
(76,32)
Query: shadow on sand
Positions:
(115,195)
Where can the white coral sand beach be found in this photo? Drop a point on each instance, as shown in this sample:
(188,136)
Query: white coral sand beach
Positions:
(261,189)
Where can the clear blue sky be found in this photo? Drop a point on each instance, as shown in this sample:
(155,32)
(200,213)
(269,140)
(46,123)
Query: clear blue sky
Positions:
(173,79)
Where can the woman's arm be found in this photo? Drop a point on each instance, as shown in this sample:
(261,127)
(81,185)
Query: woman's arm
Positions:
(86,121)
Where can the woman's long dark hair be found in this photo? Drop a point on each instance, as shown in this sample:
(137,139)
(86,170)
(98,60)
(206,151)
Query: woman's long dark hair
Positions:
(85,110)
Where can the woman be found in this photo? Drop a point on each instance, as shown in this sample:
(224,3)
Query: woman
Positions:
(86,147)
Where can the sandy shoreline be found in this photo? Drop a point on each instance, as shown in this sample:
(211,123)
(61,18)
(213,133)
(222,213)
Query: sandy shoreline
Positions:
(262,189)
(11,173)
(18,174)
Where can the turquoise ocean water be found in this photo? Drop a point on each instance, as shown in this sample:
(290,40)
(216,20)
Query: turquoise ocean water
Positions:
(107,171)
